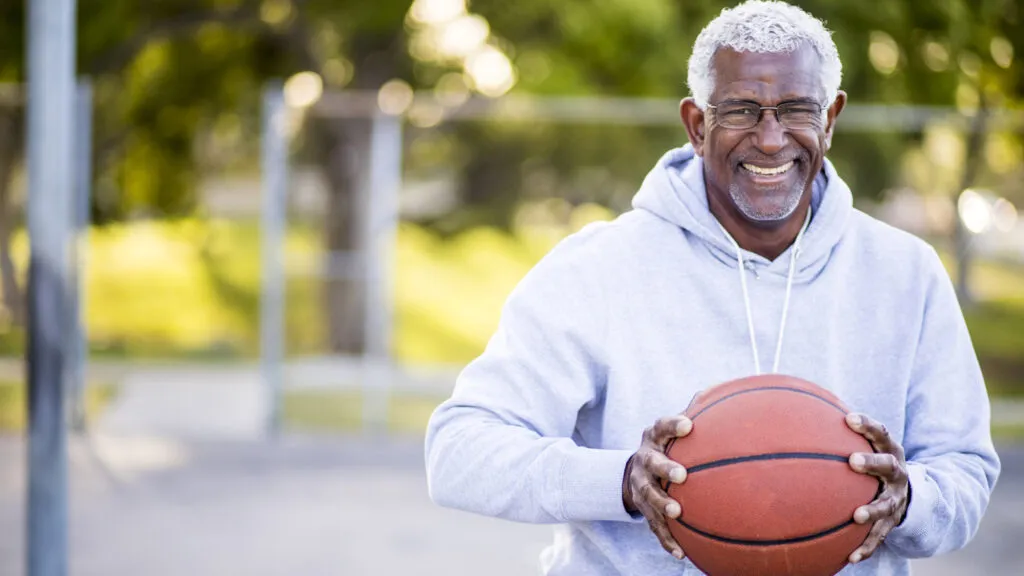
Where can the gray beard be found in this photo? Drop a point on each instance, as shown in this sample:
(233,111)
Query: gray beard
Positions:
(779,210)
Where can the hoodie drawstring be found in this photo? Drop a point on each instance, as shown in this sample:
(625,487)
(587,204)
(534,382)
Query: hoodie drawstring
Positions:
(785,304)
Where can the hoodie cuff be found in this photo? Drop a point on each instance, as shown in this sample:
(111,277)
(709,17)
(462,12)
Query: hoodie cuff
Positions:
(917,519)
(591,485)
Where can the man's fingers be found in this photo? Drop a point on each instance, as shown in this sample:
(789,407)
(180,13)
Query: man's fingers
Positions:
(658,500)
(663,467)
(883,507)
(874,431)
(660,528)
(668,428)
(885,466)
(873,541)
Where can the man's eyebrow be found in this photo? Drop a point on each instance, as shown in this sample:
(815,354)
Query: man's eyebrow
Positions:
(798,100)
(739,101)
(801,100)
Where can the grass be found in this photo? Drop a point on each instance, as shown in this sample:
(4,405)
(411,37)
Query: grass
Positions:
(997,332)
(996,322)
(341,411)
(189,290)
(13,403)
(1008,432)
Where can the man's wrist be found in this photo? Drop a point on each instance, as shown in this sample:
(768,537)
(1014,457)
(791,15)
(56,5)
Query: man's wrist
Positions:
(906,509)
(627,496)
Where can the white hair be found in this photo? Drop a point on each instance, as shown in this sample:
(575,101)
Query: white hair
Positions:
(763,27)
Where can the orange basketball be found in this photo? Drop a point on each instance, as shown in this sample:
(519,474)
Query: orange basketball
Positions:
(769,489)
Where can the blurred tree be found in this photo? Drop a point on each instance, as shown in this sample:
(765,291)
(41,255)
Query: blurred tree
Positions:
(957,53)
(166,70)
(12,41)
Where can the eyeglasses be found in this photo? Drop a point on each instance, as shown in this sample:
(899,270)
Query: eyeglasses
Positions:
(799,115)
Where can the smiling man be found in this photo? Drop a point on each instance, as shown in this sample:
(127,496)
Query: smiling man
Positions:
(743,255)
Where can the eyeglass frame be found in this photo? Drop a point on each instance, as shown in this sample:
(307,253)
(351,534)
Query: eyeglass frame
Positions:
(760,113)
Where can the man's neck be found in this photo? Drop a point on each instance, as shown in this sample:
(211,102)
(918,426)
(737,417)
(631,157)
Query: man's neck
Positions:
(767,241)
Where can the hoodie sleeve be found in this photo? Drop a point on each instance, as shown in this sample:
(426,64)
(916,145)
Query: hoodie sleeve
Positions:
(502,444)
(951,460)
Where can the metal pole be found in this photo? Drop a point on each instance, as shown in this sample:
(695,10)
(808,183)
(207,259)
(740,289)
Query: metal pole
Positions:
(275,186)
(381,228)
(50,144)
(77,339)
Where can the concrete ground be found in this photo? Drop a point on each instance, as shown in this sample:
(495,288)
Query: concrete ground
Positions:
(326,506)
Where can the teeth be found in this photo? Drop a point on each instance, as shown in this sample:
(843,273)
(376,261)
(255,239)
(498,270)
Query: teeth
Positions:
(768,171)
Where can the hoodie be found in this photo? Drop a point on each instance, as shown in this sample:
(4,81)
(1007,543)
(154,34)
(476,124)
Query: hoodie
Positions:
(625,321)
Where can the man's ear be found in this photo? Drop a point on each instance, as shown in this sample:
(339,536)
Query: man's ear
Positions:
(833,113)
(693,120)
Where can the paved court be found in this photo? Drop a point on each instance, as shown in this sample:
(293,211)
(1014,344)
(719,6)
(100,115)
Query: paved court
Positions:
(326,506)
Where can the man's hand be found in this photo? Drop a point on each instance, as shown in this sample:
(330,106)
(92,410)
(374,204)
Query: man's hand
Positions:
(889,464)
(641,484)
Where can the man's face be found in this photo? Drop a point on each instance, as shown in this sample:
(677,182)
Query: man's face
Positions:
(765,171)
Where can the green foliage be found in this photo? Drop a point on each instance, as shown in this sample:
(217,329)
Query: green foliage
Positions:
(170,72)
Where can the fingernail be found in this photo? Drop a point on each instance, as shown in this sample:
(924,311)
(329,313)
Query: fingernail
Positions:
(854,420)
(861,516)
(857,461)
(677,475)
(855,558)
(684,427)
(672,510)
(678,554)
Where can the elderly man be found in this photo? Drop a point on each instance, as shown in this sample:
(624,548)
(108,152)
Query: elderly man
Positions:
(743,237)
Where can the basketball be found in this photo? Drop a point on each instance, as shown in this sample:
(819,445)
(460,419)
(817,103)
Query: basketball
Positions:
(769,489)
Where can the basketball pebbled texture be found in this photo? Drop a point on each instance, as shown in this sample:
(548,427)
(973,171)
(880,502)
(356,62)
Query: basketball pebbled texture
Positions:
(769,489)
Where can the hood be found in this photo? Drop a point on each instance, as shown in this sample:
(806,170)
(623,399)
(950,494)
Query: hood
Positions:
(674,191)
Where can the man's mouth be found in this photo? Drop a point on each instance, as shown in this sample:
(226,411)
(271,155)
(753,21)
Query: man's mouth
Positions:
(767,170)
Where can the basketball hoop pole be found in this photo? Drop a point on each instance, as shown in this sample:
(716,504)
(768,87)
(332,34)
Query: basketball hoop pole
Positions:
(50,144)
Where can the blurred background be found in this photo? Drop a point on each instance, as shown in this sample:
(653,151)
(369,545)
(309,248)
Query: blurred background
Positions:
(297,219)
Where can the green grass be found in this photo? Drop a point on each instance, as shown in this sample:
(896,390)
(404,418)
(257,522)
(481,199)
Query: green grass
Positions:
(341,410)
(1008,432)
(13,414)
(189,290)
(997,331)
(996,323)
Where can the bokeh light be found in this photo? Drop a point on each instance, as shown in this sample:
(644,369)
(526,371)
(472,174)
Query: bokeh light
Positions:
(436,11)
(491,71)
(975,211)
(303,89)
(395,97)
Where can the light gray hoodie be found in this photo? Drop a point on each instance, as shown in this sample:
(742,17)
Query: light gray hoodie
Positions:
(624,322)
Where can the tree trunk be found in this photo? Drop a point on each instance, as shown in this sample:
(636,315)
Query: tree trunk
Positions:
(344,149)
(345,158)
(10,148)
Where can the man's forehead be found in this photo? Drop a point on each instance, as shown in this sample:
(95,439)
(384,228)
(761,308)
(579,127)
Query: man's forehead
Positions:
(783,75)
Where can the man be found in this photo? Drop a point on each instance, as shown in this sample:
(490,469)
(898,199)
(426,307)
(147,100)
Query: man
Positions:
(742,255)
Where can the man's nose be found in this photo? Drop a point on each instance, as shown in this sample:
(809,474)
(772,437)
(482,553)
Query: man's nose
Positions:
(770,136)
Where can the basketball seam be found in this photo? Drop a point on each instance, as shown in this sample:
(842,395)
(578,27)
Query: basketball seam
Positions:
(779,542)
(786,388)
(769,456)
